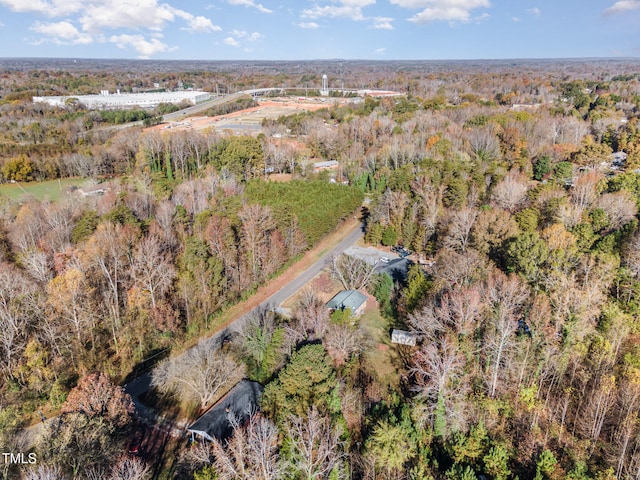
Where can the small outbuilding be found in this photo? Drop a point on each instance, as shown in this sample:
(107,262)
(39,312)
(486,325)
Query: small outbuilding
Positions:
(402,337)
(234,408)
(325,165)
(352,299)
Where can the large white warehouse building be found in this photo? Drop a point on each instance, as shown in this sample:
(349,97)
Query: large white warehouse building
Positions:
(119,100)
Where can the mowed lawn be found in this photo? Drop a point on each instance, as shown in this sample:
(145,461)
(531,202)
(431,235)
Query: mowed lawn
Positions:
(382,356)
(50,190)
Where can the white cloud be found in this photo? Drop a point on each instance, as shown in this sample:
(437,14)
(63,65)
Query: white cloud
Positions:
(331,11)
(62,33)
(515,19)
(252,37)
(54,8)
(535,11)
(202,24)
(144,47)
(310,25)
(351,9)
(443,10)
(251,3)
(232,42)
(358,3)
(382,23)
(84,21)
(623,6)
(381,51)
(113,14)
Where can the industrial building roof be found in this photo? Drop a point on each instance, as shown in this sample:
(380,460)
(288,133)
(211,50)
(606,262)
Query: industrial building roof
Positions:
(352,299)
(128,100)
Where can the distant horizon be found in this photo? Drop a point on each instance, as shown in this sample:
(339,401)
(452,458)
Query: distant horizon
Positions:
(386,60)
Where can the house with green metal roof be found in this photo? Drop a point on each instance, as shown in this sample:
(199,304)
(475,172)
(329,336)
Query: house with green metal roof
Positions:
(355,300)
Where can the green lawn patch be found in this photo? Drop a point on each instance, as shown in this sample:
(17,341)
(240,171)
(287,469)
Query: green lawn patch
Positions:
(382,356)
(51,190)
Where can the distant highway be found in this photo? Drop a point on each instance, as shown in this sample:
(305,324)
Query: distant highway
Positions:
(201,107)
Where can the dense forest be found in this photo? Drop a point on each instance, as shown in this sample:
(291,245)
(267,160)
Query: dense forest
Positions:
(517,187)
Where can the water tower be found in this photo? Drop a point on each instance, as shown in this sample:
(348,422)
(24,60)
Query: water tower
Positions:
(325,86)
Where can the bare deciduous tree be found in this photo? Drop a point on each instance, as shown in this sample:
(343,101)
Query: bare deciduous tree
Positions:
(456,270)
(129,468)
(430,205)
(511,192)
(152,269)
(69,300)
(312,315)
(602,397)
(251,453)
(257,224)
(506,296)
(19,307)
(631,254)
(344,341)
(106,253)
(462,308)
(37,263)
(483,143)
(45,472)
(457,229)
(620,208)
(351,272)
(584,192)
(202,374)
(315,444)
(437,365)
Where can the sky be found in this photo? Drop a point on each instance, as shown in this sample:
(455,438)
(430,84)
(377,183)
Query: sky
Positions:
(319,29)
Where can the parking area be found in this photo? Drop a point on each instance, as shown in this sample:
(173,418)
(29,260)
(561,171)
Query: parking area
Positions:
(386,262)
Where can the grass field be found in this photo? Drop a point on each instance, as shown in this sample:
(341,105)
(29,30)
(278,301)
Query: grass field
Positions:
(382,356)
(49,190)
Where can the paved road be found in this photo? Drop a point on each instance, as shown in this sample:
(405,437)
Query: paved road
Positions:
(180,114)
(201,107)
(303,278)
(140,385)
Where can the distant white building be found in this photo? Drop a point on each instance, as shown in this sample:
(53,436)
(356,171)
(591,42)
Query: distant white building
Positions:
(107,101)
(326,165)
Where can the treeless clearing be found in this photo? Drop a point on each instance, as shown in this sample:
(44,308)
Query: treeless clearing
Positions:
(280,177)
(248,119)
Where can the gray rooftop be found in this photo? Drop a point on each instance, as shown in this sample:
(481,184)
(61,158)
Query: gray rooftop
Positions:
(241,402)
(352,299)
